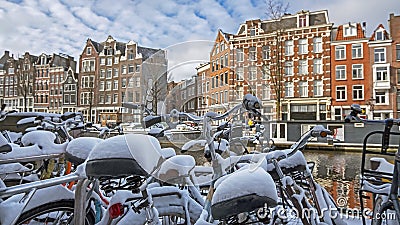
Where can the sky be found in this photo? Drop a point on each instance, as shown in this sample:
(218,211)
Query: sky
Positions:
(186,29)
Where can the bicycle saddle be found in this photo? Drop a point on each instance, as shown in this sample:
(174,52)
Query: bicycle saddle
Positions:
(243,191)
(125,155)
(78,149)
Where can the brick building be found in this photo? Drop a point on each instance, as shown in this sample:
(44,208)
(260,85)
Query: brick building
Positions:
(351,71)
(286,63)
(113,72)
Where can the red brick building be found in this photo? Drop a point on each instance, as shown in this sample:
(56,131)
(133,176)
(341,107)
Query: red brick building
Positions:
(351,71)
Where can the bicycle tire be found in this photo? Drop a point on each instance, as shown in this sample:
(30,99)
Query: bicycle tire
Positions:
(383,213)
(38,214)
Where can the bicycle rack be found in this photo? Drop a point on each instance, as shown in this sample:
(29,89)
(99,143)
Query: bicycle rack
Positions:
(370,174)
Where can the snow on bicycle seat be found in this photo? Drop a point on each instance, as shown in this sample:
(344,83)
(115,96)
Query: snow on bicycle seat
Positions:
(78,149)
(125,155)
(176,168)
(243,191)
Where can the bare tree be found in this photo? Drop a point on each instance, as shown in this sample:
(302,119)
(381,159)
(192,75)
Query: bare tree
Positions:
(25,81)
(155,76)
(275,10)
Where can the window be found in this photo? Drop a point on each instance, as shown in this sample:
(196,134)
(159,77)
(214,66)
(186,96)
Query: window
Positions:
(357,71)
(289,89)
(102,61)
(303,67)
(398,52)
(252,73)
(340,93)
(397,74)
(239,55)
(131,68)
(102,73)
(239,74)
(288,68)
(116,60)
(116,72)
(253,53)
(137,96)
(303,88)
(216,48)
(317,66)
(88,65)
(379,54)
(350,30)
(302,21)
(356,51)
(358,92)
(380,97)
(303,46)
(101,88)
(379,36)
(317,44)
(382,74)
(108,98)
(115,98)
(124,69)
(240,92)
(108,85)
(252,31)
(341,72)
(289,47)
(216,80)
(266,92)
(137,68)
(131,56)
(340,52)
(115,85)
(318,88)
(88,51)
(266,72)
(109,73)
(137,81)
(265,52)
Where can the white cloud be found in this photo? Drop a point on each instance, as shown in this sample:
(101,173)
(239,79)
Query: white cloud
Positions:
(53,26)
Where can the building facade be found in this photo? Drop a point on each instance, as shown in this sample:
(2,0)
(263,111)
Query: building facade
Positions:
(351,71)
(113,72)
(383,93)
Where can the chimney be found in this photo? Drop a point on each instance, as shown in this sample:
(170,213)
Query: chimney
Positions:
(7,53)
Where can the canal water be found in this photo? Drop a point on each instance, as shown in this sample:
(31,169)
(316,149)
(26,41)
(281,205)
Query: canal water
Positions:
(338,172)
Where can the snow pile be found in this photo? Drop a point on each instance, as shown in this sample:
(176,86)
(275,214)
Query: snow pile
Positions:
(78,149)
(384,165)
(145,149)
(168,152)
(245,182)
(176,167)
(45,141)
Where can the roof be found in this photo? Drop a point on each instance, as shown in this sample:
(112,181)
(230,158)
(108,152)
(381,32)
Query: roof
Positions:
(147,52)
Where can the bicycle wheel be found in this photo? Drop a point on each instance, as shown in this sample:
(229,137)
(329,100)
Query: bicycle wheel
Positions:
(59,212)
(383,213)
